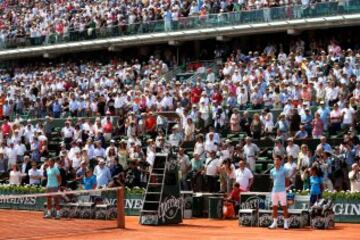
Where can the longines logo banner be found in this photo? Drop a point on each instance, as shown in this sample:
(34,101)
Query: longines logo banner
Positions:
(254,202)
(170,207)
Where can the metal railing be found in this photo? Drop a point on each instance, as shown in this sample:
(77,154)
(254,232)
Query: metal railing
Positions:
(289,12)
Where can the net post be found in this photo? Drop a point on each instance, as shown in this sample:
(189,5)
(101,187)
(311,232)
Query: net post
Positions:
(120,207)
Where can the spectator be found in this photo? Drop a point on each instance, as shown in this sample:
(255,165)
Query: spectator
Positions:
(292,149)
(301,134)
(251,151)
(291,167)
(102,173)
(256,127)
(35,174)
(354,177)
(318,126)
(279,150)
(212,166)
(15,177)
(304,159)
(335,120)
(228,169)
(89,180)
(244,177)
(235,121)
(185,167)
(197,168)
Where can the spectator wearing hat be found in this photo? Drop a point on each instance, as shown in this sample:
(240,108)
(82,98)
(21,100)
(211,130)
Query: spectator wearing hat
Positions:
(102,173)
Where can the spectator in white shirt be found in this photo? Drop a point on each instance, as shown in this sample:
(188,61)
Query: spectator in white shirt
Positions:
(251,151)
(11,154)
(292,149)
(102,173)
(99,151)
(15,176)
(354,177)
(35,174)
(348,114)
(212,166)
(67,133)
(291,167)
(210,144)
(244,177)
(20,150)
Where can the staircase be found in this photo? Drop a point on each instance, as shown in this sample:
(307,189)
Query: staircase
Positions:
(162,203)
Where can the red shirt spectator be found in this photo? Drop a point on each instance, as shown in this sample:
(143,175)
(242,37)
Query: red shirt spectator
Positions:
(150,123)
(235,194)
(108,127)
(195,94)
(5,128)
(216,97)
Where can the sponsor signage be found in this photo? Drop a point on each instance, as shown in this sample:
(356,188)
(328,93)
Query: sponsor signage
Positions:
(170,208)
(345,210)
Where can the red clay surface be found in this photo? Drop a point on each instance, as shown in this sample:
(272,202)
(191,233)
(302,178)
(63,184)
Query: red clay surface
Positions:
(16,225)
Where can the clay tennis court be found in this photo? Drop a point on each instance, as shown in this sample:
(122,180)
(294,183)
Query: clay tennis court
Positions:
(18,225)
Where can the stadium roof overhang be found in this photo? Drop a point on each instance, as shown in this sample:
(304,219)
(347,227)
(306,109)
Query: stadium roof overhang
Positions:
(186,35)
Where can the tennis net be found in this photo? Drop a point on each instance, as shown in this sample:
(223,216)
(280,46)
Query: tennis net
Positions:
(104,204)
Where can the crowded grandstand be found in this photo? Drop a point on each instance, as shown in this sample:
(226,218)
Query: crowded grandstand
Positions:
(226,108)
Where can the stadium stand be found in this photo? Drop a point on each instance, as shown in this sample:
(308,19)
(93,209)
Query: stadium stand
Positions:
(108,117)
